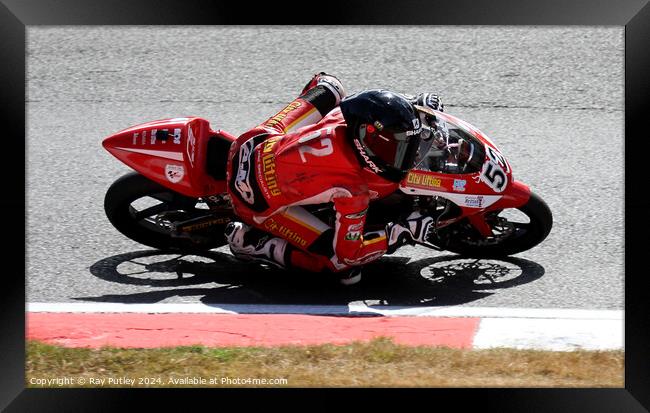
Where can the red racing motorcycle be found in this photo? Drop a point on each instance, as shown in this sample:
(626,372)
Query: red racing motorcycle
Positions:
(176,198)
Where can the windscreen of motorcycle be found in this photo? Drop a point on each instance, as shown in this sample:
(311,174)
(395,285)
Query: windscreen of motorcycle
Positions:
(450,149)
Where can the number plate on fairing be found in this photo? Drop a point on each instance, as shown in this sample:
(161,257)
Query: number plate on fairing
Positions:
(495,170)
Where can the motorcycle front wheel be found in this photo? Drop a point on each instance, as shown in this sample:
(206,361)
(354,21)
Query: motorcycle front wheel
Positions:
(514,230)
(145,212)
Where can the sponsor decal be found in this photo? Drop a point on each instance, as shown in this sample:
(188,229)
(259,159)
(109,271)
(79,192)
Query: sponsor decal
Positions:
(353,236)
(191,145)
(378,125)
(474,201)
(459,185)
(286,233)
(417,129)
(283,114)
(268,172)
(365,156)
(242,181)
(205,224)
(155,135)
(423,180)
(358,215)
(265,168)
(140,138)
(269,143)
(174,173)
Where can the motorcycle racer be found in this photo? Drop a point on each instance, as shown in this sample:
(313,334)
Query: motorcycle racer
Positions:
(322,148)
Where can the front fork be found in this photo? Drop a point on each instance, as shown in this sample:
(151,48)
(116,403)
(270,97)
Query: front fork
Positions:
(478,222)
(517,195)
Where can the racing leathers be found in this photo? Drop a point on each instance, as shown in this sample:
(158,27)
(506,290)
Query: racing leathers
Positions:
(302,156)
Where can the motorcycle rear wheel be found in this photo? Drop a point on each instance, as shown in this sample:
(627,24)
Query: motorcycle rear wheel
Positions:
(509,237)
(151,225)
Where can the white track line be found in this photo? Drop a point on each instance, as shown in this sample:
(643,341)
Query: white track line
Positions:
(550,334)
(350,309)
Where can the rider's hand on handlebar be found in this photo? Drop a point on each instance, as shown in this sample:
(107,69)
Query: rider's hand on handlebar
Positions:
(414,229)
(429,100)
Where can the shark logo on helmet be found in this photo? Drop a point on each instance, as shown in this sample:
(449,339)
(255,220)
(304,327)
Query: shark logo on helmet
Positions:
(365,157)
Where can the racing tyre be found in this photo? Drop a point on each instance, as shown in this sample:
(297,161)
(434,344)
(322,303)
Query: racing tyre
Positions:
(144,211)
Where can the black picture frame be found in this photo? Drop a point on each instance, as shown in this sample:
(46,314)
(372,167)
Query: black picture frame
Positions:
(15,15)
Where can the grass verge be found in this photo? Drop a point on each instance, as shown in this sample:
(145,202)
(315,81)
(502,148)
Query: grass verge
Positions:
(379,363)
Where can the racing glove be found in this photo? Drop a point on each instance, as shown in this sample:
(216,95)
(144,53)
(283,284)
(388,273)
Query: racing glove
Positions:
(429,100)
(413,230)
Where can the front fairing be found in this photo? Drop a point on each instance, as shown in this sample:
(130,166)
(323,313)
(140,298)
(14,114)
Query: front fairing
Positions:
(471,174)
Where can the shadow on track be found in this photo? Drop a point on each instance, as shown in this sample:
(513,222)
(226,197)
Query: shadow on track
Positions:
(215,277)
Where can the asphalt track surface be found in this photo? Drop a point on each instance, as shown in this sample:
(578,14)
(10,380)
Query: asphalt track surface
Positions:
(550,97)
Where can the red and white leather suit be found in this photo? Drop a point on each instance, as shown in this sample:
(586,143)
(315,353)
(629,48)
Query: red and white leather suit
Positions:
(298,157)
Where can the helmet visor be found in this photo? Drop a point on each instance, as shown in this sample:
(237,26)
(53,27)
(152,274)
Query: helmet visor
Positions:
(397,149)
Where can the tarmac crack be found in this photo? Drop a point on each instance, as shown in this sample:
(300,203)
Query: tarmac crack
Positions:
(209,331)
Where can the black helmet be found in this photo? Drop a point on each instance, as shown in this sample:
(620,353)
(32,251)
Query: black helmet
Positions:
(385,130)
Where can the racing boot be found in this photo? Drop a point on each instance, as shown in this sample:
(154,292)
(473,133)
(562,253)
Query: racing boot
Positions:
(251,244)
